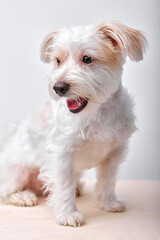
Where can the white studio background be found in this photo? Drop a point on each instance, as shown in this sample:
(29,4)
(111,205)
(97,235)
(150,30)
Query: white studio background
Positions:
(23,84)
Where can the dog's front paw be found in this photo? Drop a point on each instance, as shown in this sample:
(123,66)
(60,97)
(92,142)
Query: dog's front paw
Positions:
(74,219)
(114,206)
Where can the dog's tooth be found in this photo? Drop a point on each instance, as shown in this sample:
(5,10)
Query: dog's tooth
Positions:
(79,104)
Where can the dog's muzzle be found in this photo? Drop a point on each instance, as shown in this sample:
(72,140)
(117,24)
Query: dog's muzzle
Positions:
(61,88)
(74,106)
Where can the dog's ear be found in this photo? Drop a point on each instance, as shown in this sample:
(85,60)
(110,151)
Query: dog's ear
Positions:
(46,47)
(131,41)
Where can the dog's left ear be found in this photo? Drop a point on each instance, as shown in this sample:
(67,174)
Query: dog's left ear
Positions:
(131,41)
(46,47)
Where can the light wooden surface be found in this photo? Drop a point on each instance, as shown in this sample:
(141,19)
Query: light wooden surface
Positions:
(140,222)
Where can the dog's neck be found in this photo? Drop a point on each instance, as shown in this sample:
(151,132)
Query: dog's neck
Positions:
(113,102)
(108,110)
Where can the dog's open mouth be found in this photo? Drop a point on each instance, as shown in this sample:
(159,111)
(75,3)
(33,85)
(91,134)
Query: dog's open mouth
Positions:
(76,106)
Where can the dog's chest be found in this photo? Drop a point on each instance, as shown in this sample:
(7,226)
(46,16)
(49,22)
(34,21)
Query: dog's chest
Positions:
(90,153)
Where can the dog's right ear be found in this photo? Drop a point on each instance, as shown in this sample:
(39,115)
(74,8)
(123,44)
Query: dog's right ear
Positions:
(46,47)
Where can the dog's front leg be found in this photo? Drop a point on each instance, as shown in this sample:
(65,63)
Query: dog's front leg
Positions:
(62,195)
(106,178)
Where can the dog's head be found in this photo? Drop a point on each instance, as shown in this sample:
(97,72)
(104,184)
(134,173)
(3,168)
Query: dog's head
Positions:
(87,62)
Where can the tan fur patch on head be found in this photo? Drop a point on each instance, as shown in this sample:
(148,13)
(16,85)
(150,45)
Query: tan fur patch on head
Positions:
(109,58)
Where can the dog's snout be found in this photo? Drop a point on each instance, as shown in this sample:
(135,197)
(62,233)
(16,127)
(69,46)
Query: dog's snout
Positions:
(61,88)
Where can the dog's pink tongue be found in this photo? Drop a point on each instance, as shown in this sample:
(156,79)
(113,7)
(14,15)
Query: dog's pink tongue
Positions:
(74,104)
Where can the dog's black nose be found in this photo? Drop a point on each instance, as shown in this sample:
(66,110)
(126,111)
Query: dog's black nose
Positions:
(61,88)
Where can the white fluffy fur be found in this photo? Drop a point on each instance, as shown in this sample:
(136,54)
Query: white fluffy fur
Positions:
(48,151)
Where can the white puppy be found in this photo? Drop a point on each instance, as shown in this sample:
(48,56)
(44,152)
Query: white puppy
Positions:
(87,123)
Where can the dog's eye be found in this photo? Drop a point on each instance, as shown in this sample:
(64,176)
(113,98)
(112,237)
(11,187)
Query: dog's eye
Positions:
(58,61)
(87,59)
